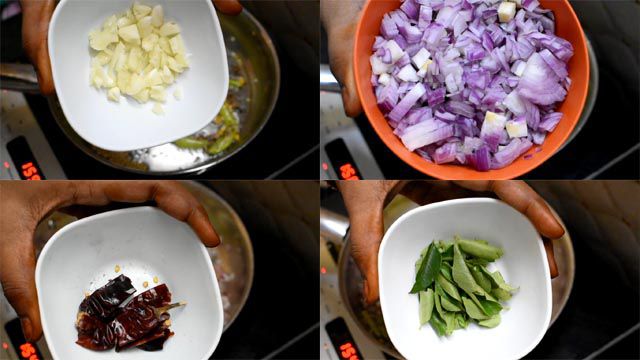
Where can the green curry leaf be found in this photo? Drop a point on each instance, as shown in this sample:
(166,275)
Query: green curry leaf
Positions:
(428,270)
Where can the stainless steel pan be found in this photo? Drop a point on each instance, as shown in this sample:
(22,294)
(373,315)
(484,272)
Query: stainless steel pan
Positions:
(369,318)
(250,53)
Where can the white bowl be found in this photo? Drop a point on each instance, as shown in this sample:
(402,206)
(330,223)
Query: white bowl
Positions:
(128,125)
(523,264)
(145,242)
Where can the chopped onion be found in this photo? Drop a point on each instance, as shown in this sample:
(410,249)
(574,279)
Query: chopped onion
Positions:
(471,82)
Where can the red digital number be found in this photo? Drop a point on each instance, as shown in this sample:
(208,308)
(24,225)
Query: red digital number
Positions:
(347,172)
(28,352)
(348,351)
(30,171)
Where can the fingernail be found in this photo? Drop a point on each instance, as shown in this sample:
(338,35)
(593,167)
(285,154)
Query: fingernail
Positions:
(26,328)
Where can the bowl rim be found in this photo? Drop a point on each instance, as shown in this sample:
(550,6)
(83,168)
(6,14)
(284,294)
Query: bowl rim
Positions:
(119,147)
(455,202)
(119,212)
(452,171)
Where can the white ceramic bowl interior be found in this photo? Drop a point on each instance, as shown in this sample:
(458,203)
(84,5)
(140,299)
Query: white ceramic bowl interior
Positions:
(128,125)
(144,242)
(523,264)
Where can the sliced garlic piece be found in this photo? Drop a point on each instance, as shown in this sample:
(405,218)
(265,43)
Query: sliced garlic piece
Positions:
(157,16)
(177,94)
(157,109)
(169,29)
(114,94)
(130,34)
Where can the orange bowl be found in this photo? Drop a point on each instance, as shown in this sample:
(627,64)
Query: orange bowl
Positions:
(567,27)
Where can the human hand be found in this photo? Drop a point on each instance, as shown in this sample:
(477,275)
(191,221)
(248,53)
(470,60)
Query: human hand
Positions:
(340,19)
(24,204)
(365,201)
(36,15)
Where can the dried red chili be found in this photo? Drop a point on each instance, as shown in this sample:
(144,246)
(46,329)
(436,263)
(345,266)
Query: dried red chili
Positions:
(142,322)
(104,303)
(158,296)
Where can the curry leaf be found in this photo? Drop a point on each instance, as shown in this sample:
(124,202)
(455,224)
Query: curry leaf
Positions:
(448,287)
(428,269)
(426,305)
(480,249)
(473,310)
(445,270)
(438,324)
(449,305)
(490,322)
(461,274)
(480,278)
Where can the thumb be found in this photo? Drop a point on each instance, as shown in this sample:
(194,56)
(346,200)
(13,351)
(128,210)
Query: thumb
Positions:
(340,57)
(35,27)
(43,70)
(367,228)
(17,276)
(350,99)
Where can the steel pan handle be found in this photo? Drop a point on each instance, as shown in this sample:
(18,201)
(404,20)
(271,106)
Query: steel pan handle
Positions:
(328,82)
(19,77)
(333,226)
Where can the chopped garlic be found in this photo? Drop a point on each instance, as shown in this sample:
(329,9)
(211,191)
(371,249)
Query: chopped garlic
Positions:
(140,11)
(177,94)
(157,93)
(137,54)
(495,119)
(157,109)
(130,34)
(114,94)
(423,70)
(492,123)
(117,268)
(421,58)
(506,11)
(157,16)
(517,128)
(155,280)
(144,26)
(169,29)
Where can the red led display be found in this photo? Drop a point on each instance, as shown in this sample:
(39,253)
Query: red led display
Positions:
(24,349)
(27,351)
(30,171)
(342,340)
(26,164)
(348,352)
(341,160)
(348,172)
